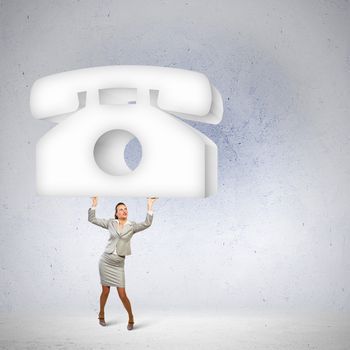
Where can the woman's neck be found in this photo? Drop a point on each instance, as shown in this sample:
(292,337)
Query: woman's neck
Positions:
(122,221)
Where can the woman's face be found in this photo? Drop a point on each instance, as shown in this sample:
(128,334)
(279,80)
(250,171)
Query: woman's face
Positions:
(122,212)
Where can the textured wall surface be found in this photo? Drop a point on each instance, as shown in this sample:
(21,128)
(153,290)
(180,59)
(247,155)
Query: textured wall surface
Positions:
(276,235)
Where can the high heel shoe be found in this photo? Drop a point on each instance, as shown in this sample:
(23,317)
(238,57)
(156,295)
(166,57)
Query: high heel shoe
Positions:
(130,325)
(101,319)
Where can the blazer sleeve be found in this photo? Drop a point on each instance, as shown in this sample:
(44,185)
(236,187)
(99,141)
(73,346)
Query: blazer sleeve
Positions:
(99,222)
(137,227)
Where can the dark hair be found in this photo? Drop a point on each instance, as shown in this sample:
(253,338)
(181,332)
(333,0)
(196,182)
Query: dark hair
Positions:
(116,207)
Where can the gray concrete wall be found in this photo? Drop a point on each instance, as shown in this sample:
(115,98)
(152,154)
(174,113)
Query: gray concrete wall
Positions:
(275,237)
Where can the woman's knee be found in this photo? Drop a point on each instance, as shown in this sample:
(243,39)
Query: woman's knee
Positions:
(122,293)
(105,290)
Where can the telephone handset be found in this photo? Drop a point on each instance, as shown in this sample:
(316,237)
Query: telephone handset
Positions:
(100,109)
(177,91)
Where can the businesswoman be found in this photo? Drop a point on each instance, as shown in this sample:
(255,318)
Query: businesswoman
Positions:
(111,263)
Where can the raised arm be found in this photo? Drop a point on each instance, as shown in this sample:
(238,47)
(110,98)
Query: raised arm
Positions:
(149,217)
(92,215)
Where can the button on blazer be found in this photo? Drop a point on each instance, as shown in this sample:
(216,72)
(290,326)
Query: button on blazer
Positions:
(119,240)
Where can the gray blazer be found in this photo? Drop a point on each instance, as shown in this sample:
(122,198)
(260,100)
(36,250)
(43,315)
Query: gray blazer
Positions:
(119,240)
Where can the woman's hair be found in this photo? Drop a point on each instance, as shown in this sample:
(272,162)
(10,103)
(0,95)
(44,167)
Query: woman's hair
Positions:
(116,207)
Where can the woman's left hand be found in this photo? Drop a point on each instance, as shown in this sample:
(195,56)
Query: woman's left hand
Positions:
(150,201)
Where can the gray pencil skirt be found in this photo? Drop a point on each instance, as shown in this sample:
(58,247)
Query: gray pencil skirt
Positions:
(111,267)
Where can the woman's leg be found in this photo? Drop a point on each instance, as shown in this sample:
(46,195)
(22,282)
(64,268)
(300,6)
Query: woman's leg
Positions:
(126,302)
(103,300)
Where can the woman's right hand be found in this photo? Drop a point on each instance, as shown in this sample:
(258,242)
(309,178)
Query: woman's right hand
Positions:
(94,201)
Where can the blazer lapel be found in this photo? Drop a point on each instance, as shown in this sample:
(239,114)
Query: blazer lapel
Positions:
(115,225)
(124,230)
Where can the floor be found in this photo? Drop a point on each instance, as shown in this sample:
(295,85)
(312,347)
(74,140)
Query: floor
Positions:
(176,330)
